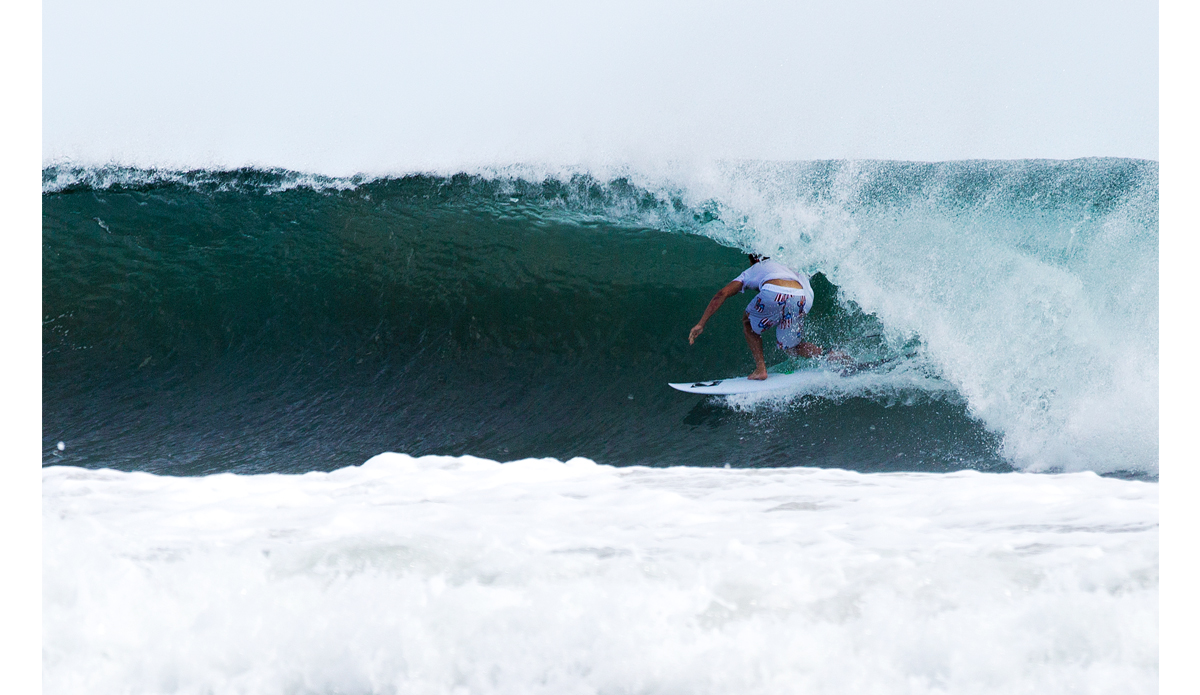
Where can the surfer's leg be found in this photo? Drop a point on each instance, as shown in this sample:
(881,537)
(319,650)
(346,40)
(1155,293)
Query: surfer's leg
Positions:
(803,349)
(764,311)
(811,350)
(789,333)
(754,340)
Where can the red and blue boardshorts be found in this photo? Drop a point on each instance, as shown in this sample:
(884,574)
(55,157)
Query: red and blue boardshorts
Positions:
(782,308)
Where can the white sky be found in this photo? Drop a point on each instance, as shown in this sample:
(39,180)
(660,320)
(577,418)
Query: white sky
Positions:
(368,86)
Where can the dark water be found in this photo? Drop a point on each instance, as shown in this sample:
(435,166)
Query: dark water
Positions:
(229,323)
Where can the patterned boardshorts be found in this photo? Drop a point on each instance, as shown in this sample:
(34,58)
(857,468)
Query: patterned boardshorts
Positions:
(784,311)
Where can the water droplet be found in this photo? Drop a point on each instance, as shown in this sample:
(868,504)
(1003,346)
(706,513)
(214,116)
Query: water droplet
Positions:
(62,445)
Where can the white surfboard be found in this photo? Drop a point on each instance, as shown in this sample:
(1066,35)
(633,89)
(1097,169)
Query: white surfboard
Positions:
(773,382)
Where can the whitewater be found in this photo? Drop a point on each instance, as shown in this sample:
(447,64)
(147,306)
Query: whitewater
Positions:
(457,575)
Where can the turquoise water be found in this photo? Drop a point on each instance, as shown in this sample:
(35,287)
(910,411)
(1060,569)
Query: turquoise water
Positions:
(265,320)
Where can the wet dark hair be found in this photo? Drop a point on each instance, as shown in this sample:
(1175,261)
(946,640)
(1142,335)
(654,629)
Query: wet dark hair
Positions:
(755,258)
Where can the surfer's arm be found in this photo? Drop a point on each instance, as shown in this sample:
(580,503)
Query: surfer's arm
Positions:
(718,299)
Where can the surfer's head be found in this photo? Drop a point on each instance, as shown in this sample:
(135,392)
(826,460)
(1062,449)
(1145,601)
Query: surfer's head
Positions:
(755,258)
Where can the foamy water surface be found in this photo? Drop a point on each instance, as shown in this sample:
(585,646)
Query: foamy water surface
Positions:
(464,575)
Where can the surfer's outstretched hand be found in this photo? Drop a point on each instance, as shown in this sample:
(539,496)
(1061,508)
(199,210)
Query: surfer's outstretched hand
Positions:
(696,330)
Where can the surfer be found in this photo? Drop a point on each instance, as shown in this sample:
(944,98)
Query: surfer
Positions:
(783,299)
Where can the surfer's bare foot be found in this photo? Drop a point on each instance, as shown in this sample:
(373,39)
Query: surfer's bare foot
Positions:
(758,374)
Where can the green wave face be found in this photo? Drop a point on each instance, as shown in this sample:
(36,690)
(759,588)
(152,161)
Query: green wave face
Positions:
(258,321)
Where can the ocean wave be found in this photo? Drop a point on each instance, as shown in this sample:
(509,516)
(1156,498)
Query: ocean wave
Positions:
(448,311)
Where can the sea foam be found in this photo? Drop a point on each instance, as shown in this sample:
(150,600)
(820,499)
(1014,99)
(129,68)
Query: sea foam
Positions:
(457,575)
(1033,286)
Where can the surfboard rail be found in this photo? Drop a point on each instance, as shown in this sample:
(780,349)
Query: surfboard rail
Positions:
(735,385)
